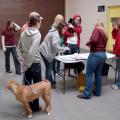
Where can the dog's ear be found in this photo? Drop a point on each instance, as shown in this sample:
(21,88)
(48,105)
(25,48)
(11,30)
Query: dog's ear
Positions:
(9,84)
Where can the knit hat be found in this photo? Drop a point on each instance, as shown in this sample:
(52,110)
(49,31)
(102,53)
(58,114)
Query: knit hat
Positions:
(75,16)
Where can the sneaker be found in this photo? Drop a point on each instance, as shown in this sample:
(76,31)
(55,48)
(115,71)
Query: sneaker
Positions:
(10,71)
(19,73)
(59,73)
(81,95)
(57,76)
(115,86)
(53,86)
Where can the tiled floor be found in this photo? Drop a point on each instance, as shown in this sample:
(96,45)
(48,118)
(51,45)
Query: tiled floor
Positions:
(64,107)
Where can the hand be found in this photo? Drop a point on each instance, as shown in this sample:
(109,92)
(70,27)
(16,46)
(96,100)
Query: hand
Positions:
(71,26)
(12,24)
(115,26)
(66,48)
(63,30)
(88,44)
(24,68)
(4,49)
(85,42)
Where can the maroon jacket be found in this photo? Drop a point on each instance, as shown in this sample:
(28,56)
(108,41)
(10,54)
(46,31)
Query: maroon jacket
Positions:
(116,48)
(97,41)
(9,37)
(114,33)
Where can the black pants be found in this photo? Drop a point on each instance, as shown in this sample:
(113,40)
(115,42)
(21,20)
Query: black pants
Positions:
(33,75)
(12,50)
(78,66)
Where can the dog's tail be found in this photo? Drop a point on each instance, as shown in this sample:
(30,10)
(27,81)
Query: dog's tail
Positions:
(47,81)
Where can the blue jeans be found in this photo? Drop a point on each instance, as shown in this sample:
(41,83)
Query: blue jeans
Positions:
(33,75)
(56,66)
(118,69)
(73,49)
(48,71)
(94,66)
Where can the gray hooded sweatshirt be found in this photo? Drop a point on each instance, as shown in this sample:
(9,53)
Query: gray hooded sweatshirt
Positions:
(28,46)
(50,46)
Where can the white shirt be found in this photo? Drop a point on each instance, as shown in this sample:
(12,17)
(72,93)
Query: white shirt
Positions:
(72,40)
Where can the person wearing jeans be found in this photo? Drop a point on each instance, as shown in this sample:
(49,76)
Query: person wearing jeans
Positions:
(94,65)
(48,72)
(50,47)
(116,51)
(96,59)
(117,85)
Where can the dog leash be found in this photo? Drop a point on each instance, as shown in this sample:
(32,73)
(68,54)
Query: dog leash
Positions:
(24,78)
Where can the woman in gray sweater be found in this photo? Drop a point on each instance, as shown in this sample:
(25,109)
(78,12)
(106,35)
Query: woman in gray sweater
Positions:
(49,48)
(29,55)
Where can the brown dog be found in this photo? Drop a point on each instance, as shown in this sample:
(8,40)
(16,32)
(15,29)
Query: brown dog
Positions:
(26,94)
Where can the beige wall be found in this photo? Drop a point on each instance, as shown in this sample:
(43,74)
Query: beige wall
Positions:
(88,9)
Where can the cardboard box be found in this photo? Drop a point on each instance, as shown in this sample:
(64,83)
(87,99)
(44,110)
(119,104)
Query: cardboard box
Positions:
(81,79)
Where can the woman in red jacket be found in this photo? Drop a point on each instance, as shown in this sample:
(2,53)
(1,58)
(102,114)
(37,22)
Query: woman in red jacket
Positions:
(116,51)
(72,34)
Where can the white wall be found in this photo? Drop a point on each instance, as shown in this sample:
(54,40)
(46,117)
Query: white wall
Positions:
(88,9)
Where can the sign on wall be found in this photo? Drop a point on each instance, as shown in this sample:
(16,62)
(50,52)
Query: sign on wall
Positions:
(101,8)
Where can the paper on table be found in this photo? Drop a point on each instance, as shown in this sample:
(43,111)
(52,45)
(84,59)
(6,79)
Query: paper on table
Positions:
(80,56)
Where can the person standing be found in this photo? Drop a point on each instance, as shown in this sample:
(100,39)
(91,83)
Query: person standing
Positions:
(25,26)
(116,51)
(96,59)
(29,56)
(9,46)
(72,34)
(50,47)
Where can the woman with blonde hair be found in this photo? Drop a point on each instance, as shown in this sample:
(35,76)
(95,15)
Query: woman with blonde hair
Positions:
(96,59)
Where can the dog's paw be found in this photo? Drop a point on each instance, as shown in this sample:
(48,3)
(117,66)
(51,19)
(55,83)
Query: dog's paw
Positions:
(29,116)
(49,113)
(23,113)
